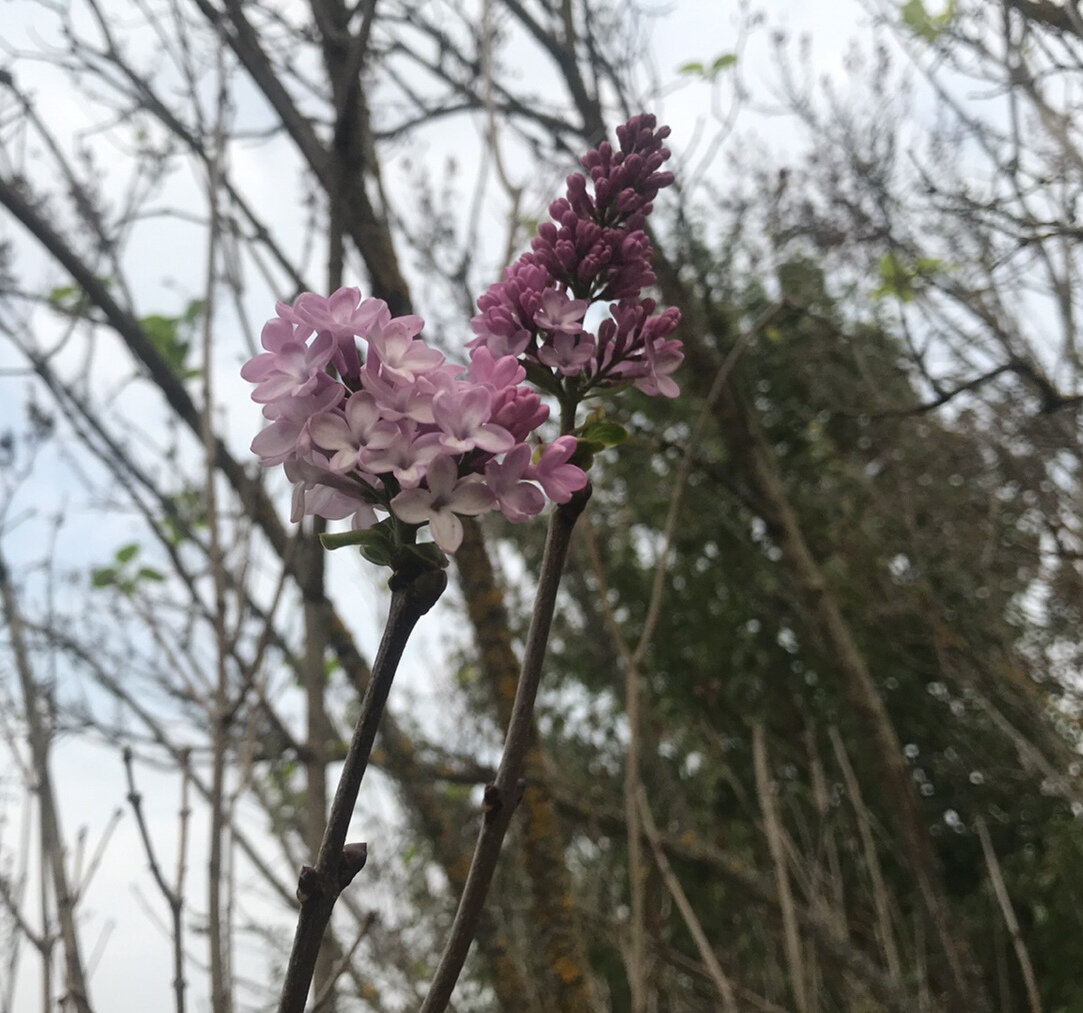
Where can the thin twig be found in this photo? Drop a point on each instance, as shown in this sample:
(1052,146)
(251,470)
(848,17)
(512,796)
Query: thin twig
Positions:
(172,897)
(218,936)
(766,790)
(503,795)
(868,843)
(51,843)
(695,929)
(1034,998)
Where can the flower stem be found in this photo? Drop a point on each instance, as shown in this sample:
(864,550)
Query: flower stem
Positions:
(503,795)
(318,887)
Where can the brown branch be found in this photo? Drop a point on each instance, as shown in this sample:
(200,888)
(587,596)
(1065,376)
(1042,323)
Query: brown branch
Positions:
(369,233)
(555,926)
(503,796)
(1055,16)
(319,886)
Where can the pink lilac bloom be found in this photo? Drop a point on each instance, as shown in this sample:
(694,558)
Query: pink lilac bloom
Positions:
(400,357)
(321,493)
(343,315)
(519,410)
(370,422)
(560,315)
(568,354)
(408,456)
(291,369)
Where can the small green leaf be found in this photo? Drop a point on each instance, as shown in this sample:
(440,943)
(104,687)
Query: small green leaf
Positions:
(692,67)
(903,279)
(928,26)
(127,553)
(149,573)
(193,311)
(340,539)
(103,576)
(723,62)
(605,434)
(64,296)
(164,334)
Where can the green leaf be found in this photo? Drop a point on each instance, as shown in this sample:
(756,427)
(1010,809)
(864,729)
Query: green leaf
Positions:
(103,576)
(72,299)
(164,334)
(902,279)
(692,67)
(172,531)
(127,553)
(928,26)
(149,573)
(604,434)
(696,68)
(193,311)
(65,297)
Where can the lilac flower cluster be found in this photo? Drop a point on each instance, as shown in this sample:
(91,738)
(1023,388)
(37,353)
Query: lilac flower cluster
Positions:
(594,250)
(389,427)
(372,423)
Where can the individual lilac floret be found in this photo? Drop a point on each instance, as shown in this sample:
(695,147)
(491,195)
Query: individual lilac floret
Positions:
(462,416)
(446,496)
(518,499)
(354,432)
(560,315)
(558,478)
(289,368)
(595,250)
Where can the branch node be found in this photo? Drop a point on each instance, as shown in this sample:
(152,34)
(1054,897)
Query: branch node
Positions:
(493,799)
(309,885)
(354,857)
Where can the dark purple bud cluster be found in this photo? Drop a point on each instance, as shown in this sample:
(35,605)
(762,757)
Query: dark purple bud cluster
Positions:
(594,250)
